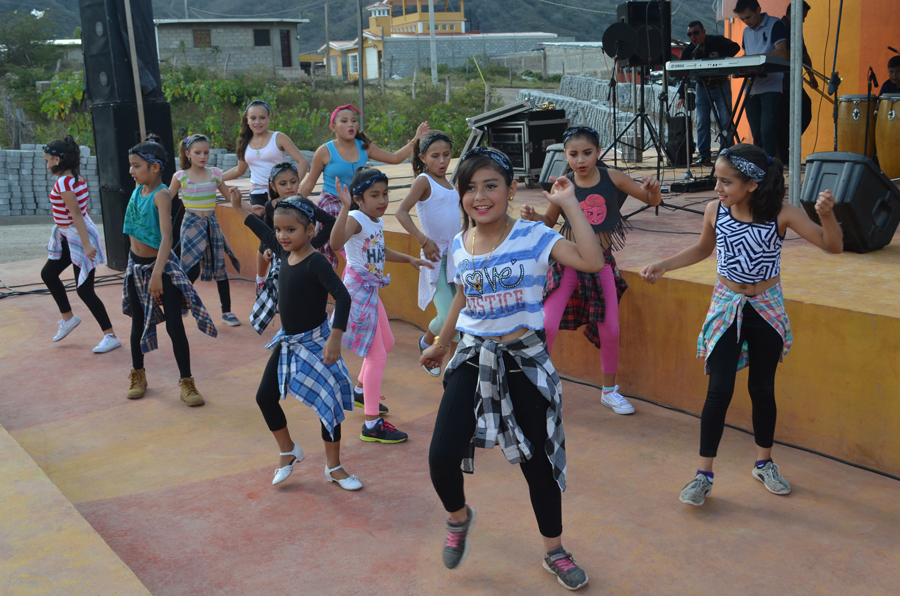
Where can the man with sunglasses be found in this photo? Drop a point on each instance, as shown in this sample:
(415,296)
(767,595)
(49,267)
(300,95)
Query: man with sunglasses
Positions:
(716,91)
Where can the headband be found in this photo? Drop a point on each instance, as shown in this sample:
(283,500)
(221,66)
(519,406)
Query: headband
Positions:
(493,154)
(258,102)
(363,186)
(54,152)
(188,141)
(343,107)
(279,168)
(746,167)
(438,136)
(300,206)
(149,157)
(571,132)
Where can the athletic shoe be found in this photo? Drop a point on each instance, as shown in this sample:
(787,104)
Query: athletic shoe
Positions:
(66,327)
(771,477)
(616,402)
(382,432)
(434,371)
(230,320)
(562,564)
(695,492)
(137,384)
(109,343)
(189,393)
(457,544)
(359,403)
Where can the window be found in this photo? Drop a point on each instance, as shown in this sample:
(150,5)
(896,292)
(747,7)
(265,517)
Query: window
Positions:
(262,37)
(353,63)
(452,27)
(201,38)
(333,70)
(443,27)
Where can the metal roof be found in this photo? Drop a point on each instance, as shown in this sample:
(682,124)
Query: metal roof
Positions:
(224,21)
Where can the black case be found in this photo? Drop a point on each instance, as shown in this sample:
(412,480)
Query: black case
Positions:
(867,202)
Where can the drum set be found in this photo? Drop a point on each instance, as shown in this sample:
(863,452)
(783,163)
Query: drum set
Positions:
(870,126)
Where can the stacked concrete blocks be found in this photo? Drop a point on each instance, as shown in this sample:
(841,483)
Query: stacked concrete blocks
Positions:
(25,181)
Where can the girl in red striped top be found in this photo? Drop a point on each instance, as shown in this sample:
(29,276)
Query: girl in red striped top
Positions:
(74,241)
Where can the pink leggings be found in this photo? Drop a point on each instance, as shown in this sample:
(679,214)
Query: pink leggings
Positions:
(555,305)
(373,365)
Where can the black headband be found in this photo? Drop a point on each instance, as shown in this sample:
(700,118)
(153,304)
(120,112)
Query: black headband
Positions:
(363,186)
(279,168)
(300,206)
(258,102)
(424,145)
(54,152)
(149,157)
(575,130)
(493,154)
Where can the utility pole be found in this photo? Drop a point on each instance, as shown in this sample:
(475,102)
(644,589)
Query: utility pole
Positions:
(434,73)
(360,65)
(327,45)
(186,15)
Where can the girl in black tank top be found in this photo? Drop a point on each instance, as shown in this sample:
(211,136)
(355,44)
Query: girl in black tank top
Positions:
(574,298)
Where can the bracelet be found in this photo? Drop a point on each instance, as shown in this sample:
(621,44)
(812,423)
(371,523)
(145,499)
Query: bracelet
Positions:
(438,343)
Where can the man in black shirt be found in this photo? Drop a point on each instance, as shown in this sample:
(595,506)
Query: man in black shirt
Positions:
(892,85)
(702,47)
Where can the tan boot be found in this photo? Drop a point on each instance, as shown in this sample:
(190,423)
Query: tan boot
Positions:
(189,393)
(137,384)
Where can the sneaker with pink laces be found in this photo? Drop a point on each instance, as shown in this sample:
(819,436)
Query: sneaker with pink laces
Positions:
(562,564)
(457,544)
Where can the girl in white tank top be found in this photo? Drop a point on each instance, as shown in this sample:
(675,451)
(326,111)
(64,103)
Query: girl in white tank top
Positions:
(260,149)
(437,207)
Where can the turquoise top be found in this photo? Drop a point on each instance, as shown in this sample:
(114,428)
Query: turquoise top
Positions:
(142,217)
(341,168)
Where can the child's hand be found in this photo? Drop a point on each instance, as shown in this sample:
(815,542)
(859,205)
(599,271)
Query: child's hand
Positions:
(528,212)
(235,197)
(267,255)
(155,287)
(89,251)
(421,263)
(432,357)
(650,184)
(422,129)
(331,352)
(825,203)
(431,250)
(258,210)
(652,273)
(343,193)
(562,191)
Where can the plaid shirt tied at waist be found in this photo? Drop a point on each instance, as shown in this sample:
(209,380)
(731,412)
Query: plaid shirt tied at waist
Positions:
(202,241)
(302,372)
(153,312)
(727,305)
(495,419)
(266,305)
(363,287)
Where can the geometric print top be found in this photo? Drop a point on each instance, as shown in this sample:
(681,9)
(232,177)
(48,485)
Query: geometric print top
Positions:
(747,253)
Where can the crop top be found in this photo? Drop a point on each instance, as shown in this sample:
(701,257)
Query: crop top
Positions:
(747,253)
(365,249)
(338,167)
(261,162)
(601,204)
(506,293)
(199,195)
(303,288)
(142,217)
(61,215)
(439,214)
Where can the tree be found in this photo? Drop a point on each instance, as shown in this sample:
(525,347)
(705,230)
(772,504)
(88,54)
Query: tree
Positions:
(26,38)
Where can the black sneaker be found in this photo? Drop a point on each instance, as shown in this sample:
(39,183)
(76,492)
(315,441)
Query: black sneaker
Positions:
(562,564)
(457,544)
(382,432)
(359,403)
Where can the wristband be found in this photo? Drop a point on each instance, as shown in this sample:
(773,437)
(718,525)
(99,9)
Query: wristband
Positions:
(438,343)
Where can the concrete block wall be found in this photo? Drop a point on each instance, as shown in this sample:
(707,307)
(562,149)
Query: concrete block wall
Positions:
(25,181)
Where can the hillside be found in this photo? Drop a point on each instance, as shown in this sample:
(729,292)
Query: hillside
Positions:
(490,16)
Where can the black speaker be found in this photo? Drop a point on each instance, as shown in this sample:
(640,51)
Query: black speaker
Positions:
(653,23)
(107,62)
(867,203)
(116,130)
(680,143)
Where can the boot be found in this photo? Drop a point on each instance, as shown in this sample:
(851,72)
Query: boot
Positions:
(189,393)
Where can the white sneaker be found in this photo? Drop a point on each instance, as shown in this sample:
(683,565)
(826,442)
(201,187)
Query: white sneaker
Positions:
(109,343)
(349,483)
(66,327)
(616,402)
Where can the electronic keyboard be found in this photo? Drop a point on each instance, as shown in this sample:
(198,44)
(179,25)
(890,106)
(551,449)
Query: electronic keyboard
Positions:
(719,67)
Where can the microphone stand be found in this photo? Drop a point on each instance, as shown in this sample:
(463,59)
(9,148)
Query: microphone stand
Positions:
(870,80)
(613,80)
(835,80)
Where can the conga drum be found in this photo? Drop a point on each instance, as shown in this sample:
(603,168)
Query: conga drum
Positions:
(851,124)
(887,132)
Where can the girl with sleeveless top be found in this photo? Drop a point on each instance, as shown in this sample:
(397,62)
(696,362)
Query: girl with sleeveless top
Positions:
(350,150)
(156,288)
(574,298)
(746,324)
(74,240)
(203,245)
(437,207)
(260,149)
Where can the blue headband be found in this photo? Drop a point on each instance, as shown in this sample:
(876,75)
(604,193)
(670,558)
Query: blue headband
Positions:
(258,102)
(439,136)
(279,168)
(571,132)
(498,157)
(188,141)
(54,152)
(149,157)
(300,206)
(745,166)
(363,186)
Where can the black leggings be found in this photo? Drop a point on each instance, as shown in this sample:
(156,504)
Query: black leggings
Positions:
(171,304)
(50,274)
(221,284)
(765,345)
(268,398)
(455,427)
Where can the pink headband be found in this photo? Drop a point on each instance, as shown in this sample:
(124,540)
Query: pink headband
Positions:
(344,107)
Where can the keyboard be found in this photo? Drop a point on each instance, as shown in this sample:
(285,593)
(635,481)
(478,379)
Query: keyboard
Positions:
(718,67)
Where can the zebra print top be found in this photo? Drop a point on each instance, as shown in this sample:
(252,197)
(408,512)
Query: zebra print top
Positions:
(747,253)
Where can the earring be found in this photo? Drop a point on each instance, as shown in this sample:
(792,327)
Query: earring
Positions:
(511,199)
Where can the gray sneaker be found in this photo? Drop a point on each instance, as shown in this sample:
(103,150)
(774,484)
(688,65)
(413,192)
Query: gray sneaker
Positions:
(457,545)
(772,479)
(695,492)
(562,565)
